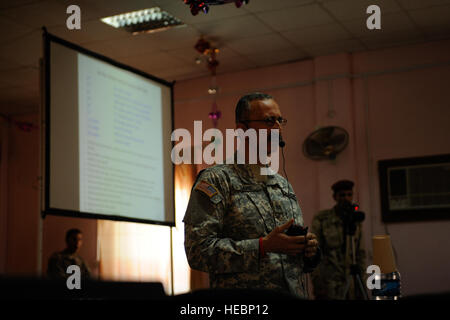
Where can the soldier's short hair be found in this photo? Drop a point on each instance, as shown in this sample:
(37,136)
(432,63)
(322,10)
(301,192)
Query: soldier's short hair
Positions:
(342,185)
(72,232)
(243,106)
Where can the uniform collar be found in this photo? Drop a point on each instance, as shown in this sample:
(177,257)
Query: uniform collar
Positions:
(246,174)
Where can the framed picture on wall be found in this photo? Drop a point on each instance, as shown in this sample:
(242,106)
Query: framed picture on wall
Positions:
(415,189)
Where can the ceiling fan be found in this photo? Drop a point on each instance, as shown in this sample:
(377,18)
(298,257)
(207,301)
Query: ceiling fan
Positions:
(325,143)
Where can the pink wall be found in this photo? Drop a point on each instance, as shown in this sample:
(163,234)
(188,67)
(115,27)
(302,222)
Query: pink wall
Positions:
(24,230)
(22,214)
(408,115)
(389,111)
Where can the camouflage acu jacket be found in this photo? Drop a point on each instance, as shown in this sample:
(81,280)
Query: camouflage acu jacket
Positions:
(228,211)
(59,261)
(330,277)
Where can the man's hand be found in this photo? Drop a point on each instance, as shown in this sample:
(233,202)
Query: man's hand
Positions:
(278,241)
(311,246)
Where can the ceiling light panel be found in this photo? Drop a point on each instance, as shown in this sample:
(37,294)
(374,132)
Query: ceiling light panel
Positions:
(146,20)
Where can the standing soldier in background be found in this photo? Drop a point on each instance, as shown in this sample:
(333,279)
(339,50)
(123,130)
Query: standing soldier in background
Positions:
(330,277)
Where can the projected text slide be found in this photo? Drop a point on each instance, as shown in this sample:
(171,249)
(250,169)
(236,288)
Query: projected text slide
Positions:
(120,142)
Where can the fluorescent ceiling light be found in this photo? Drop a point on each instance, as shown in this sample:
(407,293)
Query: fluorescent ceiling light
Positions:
(146,20)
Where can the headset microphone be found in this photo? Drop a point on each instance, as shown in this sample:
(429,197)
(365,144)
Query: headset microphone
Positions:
(282,143)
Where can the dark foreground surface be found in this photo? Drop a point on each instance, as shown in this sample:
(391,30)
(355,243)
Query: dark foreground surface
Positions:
(126,299)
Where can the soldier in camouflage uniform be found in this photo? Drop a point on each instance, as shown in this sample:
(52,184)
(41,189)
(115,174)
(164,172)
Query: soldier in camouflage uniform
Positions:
(330,278)
(236,218)
(59,261)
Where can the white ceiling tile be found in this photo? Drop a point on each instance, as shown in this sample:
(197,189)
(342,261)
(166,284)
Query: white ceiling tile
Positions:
(234,63)
(430,17)
(102,8)
(25,51)
(16,3)
(296,18)
(226,57)
(152,62)
(226,52)
(332,48)
(88,9)
(437,32)
(38,14)
(90,31)
(174,38)
(104,48)
(226,61)
(390,22)
(260,44)
(418,4)
(170,39)
(182,72)
(10,30)
(270,5)
(236,67)
(189,54)
(394,43)
(391,39)
(188,76)
(129,45)
(243,35)
(351,9)
(277,57)
(315,35)
(233,28)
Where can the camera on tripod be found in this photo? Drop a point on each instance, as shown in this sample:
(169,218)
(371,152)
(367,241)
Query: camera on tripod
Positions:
(351,215)
(351,212)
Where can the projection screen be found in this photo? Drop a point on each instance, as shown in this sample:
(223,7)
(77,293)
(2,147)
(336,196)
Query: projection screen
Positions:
(107,138)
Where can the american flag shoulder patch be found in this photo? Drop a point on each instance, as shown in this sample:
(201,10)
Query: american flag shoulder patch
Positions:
(206,188)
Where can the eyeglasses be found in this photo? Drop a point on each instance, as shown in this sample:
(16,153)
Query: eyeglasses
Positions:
(270,122)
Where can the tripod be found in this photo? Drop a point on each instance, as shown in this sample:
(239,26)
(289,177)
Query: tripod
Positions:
(354,270)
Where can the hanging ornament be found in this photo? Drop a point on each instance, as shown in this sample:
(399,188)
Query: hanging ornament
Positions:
(203,5)
(202,45)
(207,50)
(212,61)
(215,114)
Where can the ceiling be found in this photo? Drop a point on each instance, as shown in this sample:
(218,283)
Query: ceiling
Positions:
(262,33)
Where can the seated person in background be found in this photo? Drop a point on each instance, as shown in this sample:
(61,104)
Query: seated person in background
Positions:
(59,261)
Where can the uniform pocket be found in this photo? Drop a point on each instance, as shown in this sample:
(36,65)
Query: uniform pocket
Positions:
(243,219)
